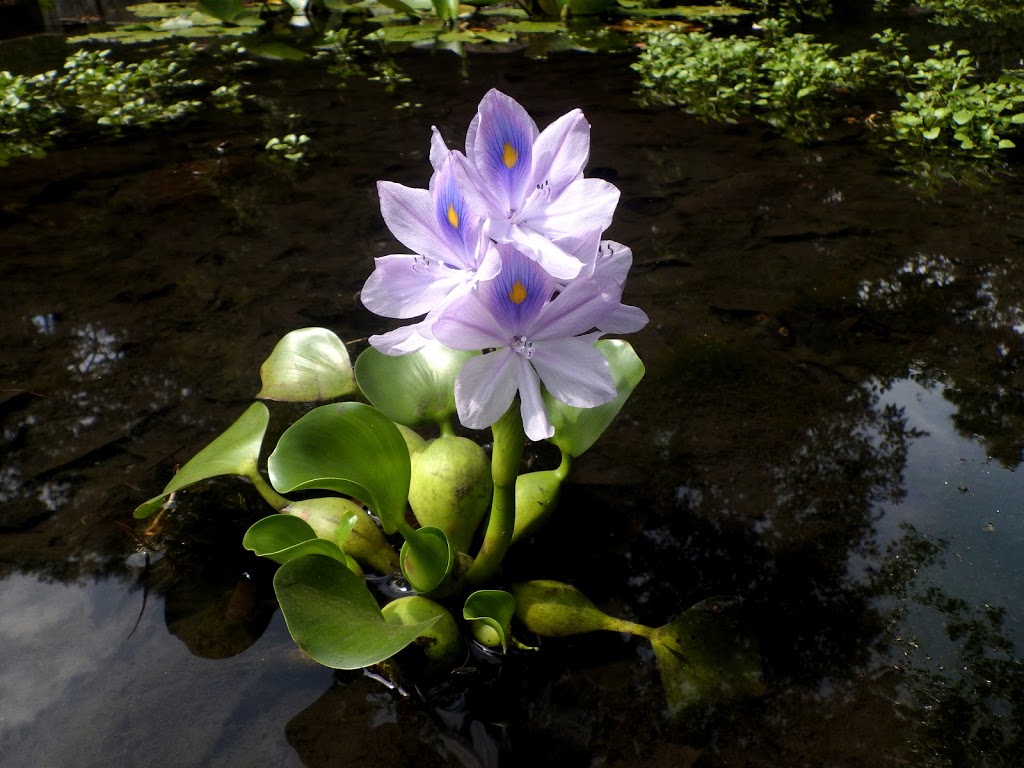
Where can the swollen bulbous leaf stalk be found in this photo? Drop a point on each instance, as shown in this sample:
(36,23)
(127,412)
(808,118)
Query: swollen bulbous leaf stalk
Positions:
(451,487)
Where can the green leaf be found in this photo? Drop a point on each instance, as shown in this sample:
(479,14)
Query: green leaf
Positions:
(493,609)
(536,499)
(350,527)
(277,51)
(350,448)
(962,117)
(576,429)
(932,133)
(234,452)
(446,9)
(333,617)
(1005,144)
(413,389)
(401,7)
(426,558)
(284,537)
(307,365)
(705,657)
(225,10)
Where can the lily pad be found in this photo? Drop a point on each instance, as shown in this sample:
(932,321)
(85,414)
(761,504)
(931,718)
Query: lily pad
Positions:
(307,365)
(234,452)
(577,429)
(351,448)
(332,616)
(225,10)
(636,8)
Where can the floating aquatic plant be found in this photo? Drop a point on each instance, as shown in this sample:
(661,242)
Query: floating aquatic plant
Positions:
(514,287)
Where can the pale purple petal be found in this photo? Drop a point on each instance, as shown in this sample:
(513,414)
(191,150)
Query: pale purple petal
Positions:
(489,264)
(410,215)
(499,145)
(614,261)
(583,305)
(624,319)
(585,246)
(574,371)
(468,325)
(531,404)
(485,201)
(454,223)
(515,297)
(585,204)
(407,286)
(439,151)
(556,262)
(485,387)
(561,151)
(402,341)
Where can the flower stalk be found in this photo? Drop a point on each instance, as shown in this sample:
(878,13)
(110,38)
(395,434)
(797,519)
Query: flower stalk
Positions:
(509,440)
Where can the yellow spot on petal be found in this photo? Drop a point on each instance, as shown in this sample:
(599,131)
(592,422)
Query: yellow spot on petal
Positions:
(509,155)
(517,293)
(453,216)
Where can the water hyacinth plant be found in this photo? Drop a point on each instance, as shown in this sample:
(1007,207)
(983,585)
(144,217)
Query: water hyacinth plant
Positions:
(515,288)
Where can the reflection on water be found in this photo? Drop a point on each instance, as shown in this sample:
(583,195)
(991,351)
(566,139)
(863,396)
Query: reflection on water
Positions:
(830,427)
(82,685)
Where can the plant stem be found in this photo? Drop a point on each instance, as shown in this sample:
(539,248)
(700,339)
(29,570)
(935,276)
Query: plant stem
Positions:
(562,470)
(272,497)
(509,440)
(630,627)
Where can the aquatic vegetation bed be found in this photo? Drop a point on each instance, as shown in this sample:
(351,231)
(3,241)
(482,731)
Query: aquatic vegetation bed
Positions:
(94,88)
(798,86)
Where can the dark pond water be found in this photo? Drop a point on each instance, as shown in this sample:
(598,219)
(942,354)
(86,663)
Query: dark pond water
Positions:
(831,428)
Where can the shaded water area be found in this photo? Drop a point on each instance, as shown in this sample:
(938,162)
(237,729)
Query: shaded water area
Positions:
(830,428)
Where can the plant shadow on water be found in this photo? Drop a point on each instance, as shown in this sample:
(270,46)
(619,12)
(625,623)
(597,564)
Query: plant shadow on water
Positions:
(829,430)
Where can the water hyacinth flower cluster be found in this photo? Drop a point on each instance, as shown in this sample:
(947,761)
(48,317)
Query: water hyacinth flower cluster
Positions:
(508,257)
(513,286)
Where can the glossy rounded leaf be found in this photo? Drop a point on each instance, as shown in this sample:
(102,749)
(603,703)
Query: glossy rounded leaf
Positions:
(308,365)
(284,537)
(426,558)
(350,448)
(493,608)
(413,389)
(234,452)
(332,616)
(576,429)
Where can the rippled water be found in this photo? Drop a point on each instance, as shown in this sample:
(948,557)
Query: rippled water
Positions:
(830,427)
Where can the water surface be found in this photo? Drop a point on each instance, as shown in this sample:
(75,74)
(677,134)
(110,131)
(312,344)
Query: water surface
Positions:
(830,428)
